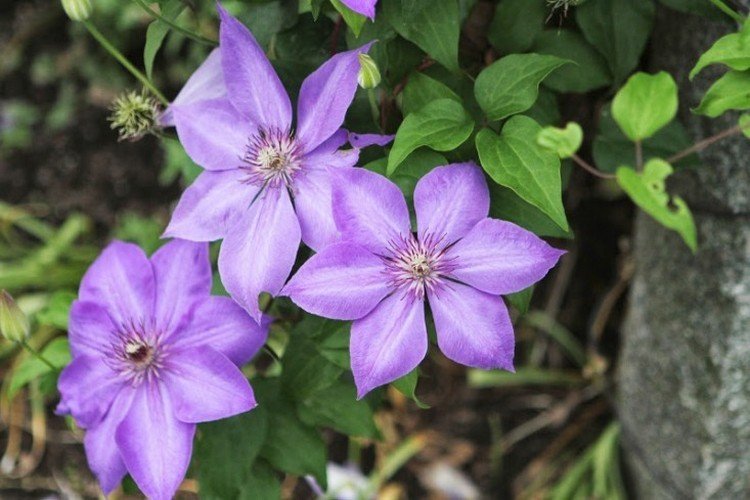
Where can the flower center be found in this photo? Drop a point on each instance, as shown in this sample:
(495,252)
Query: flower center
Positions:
(140,354)
(272,158)
(416,265)
(137,355)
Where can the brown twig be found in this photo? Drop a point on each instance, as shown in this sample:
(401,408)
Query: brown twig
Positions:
(589,168)
(701,145)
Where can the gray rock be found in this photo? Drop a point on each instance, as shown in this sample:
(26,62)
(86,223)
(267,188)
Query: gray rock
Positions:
(684,372)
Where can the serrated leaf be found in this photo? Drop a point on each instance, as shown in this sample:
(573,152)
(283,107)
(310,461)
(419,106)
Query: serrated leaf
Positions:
(433,25)
(511,85)
(226,451)
(441,125)
(516,24)
(645,104)
(618,29)
(648,191)
(731,51)
(407,385)
(730,92)
(421,90)
(157,32)
(564,142)
(337,407)
(514,160)
(590,70)
(354,20)
(56,352)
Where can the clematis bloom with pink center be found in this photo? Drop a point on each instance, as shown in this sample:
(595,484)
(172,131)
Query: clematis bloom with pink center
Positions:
(153,355)
(381,274)
(265,185)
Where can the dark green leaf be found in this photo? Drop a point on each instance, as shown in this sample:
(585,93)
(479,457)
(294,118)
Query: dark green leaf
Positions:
(590,70)
(157,32)
(354,20)
(511,84)
(619,29)
(516,24)
(422,90)
(337,407)
(521,300)
(407,385)
(507,205)
(261,482)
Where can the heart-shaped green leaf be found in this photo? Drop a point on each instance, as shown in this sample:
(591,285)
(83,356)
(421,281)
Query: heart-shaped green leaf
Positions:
(564,142)
(645,104)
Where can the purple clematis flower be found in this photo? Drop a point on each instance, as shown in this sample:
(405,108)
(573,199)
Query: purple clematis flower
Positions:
(265,187)
(153,354)
(380,274)
(364,7)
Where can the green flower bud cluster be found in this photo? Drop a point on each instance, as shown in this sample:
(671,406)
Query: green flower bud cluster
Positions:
(134,114)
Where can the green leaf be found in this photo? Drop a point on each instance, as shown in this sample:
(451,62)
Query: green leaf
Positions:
(226,451)
(744,124)
(433,25)
(645,104)
(590,70)
(56,312)
(261,482)
(729,50)
(647,190)
(514,160)
(564,142)
(619,29)
(441,125)
(56,352)
(337,407)
(293,446)
(612,149)
(511,84)
(507,205)
(421,90)
(521,300)
(157,32)
(354,20)
(516,24)
(524,376)
(731,91)
(407,385)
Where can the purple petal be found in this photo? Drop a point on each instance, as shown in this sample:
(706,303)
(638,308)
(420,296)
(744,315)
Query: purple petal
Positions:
(252,84)
(450,200)
(90,330)
(258,254)
(344,281)
(213,133)
(219,323)
(473,328)
(500,257)
(207,82)
(211,206)
(183,277)
(388,343)
(122,281)
(155,445)
(205,385)
(365,140)
(102,452)
(364,7)
(325,97)
(87,388)
(313,196)
(369,209)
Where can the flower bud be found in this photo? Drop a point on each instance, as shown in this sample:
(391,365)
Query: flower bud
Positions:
(14,325)
(134,115)
(77,10)
(369,75)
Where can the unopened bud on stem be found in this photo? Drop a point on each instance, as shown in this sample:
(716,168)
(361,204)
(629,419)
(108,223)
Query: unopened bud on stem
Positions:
(77,10)
(14,325)
(369,74)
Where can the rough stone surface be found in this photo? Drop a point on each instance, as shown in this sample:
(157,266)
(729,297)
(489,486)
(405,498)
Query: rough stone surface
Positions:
(685,368)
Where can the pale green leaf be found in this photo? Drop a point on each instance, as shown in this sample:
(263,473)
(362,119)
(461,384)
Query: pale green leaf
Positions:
(511,85)
(744,124)
(441,125)
(730,50)
(645,104)
(731,91)
(57,352)
(514,160)
(647,190)
(564,142)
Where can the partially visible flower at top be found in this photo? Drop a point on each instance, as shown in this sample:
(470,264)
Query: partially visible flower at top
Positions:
(153,354)
(134,114)
(235,120)
(77,10)
(381,274)
(364,7)
(14,324)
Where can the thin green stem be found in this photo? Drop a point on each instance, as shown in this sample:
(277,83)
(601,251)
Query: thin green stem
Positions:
(728,10)
(374,106)
(193,36)
(124,61)
(38,355)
